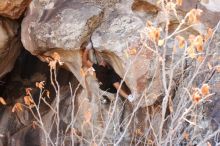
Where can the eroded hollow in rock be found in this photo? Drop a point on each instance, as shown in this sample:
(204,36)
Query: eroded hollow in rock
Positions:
(27,71)
(113,62)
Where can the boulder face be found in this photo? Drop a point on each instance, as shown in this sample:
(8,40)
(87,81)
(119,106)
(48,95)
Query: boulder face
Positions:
(65,25)
(13,8)
(173,107)
(10,44)
(112,30)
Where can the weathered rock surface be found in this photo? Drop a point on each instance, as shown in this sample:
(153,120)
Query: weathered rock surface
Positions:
(58,30)
(13,8)
(118,31)
(59,24)
(10,44)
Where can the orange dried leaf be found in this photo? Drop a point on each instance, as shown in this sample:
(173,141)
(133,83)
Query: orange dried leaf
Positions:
(87,116)
(199,48)
(40,84)
(132,51)
(2,101)
(179,2)
(28,100)
(205,89)
(17,107)
(154,34)
(186,135)
(199,43)
(191,52)
(200,59)
(181,41)
(196,97)
(208,34)
(28,91)
(193,16)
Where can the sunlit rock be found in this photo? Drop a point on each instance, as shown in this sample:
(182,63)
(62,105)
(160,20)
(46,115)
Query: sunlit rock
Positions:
(13,8)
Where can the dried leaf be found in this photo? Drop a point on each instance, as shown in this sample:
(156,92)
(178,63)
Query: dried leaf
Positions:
(200,59)
(48,93)
(28,100)
(191,38)
(28,91)
(179,2)
(181,41)
(205,89)
(154,34)
(149,23)
(199,48)
(198,43)
(17,107)
(193,16)
(132,51)
(196,97)
(40,84)
(186,135)
(87,116)
(208,34)
(161,42)
(2,101)
(209,66)
(191,52)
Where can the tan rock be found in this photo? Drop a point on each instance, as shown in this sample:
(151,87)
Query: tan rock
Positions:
(10,45)
(13,8)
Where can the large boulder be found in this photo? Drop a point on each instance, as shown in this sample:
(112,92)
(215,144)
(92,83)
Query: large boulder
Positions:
(65,25)
(57,29)
(119,34)
(13,8)
(10,44)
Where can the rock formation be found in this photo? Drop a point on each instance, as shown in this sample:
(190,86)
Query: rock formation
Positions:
(13,8)
(10,44)
(166,76)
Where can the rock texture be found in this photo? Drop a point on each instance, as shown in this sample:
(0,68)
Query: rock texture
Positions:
(164,78)
(10,44)
(54,31)
(13,8)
